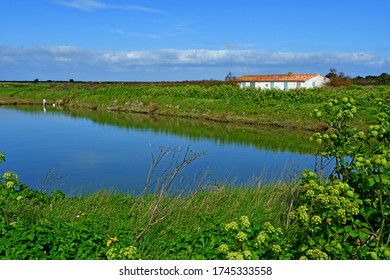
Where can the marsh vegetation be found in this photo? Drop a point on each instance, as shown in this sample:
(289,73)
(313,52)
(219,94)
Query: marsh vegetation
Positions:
(341,216)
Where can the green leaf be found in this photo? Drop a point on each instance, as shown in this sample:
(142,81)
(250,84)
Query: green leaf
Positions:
(353,233)
(370,182)
(30,236)
(362,235)
(255,256)
(303,248)
(328,248)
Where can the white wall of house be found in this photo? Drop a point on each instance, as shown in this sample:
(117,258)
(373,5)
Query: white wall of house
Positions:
(317,81)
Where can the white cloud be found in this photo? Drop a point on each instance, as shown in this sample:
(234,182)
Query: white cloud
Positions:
(86,5)
(7,60)
(62,59)
(356,57)
(90,5)
(69,61)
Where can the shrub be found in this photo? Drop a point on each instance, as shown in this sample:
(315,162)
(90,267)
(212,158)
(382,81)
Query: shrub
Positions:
(345,216)
(247,242)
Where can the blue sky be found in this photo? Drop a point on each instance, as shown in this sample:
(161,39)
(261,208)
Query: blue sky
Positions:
(171,40)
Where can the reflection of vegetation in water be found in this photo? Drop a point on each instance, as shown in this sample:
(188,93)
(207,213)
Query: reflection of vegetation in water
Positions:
(276,139)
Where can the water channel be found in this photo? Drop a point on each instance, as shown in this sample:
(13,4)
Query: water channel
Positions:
(80,151)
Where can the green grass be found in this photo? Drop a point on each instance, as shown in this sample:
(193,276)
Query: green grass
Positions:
(222,102)
(188,233)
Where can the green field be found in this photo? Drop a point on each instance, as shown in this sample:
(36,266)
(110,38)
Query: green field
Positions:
(345,216)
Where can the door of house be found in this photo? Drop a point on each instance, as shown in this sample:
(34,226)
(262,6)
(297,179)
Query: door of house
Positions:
(285,85)
(272,85)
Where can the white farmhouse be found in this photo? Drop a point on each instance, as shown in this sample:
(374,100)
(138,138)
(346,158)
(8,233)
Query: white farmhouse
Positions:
(282,81)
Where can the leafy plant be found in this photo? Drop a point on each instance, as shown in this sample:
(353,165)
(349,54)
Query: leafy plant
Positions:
(343,217)
(363,162)
(327,217)
(61,241)
(249,242)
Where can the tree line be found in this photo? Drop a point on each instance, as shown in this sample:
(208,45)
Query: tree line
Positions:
(340,79)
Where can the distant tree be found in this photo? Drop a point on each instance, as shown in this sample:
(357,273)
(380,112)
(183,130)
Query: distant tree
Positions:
(36,80)
(332,73)
(384,78)
(338,80)
(230,77)
(71,81)
(341,75)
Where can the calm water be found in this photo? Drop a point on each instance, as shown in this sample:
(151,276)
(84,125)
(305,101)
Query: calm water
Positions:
(81,151)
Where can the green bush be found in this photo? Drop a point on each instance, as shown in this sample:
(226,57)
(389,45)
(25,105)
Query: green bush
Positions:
(345,216)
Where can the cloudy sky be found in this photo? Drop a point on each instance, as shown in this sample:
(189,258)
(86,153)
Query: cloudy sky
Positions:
(171,40)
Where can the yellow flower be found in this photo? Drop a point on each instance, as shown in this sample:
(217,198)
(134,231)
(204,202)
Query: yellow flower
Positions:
(241,236)
(244,221)
(276,248)
(261,238)
(232,226)
(316,220)
(247,254)
(111,240)
(128,252)
(235,256)
(223,248)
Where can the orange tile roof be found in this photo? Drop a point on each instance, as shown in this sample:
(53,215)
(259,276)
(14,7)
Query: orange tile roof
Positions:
(276,78)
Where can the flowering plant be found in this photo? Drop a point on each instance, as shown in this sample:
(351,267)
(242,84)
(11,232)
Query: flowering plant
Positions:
(249,242)
(345,216)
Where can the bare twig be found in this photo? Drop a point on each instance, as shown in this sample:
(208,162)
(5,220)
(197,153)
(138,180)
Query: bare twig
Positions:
(52,180)
(166,188)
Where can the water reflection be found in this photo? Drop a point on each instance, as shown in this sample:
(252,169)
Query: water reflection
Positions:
(112,150)
(44,103)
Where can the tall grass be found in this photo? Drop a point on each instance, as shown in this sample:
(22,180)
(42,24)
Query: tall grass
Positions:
(191,229)
(114,215)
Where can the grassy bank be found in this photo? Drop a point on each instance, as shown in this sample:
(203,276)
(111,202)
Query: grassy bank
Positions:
(44,226)
(223,103)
